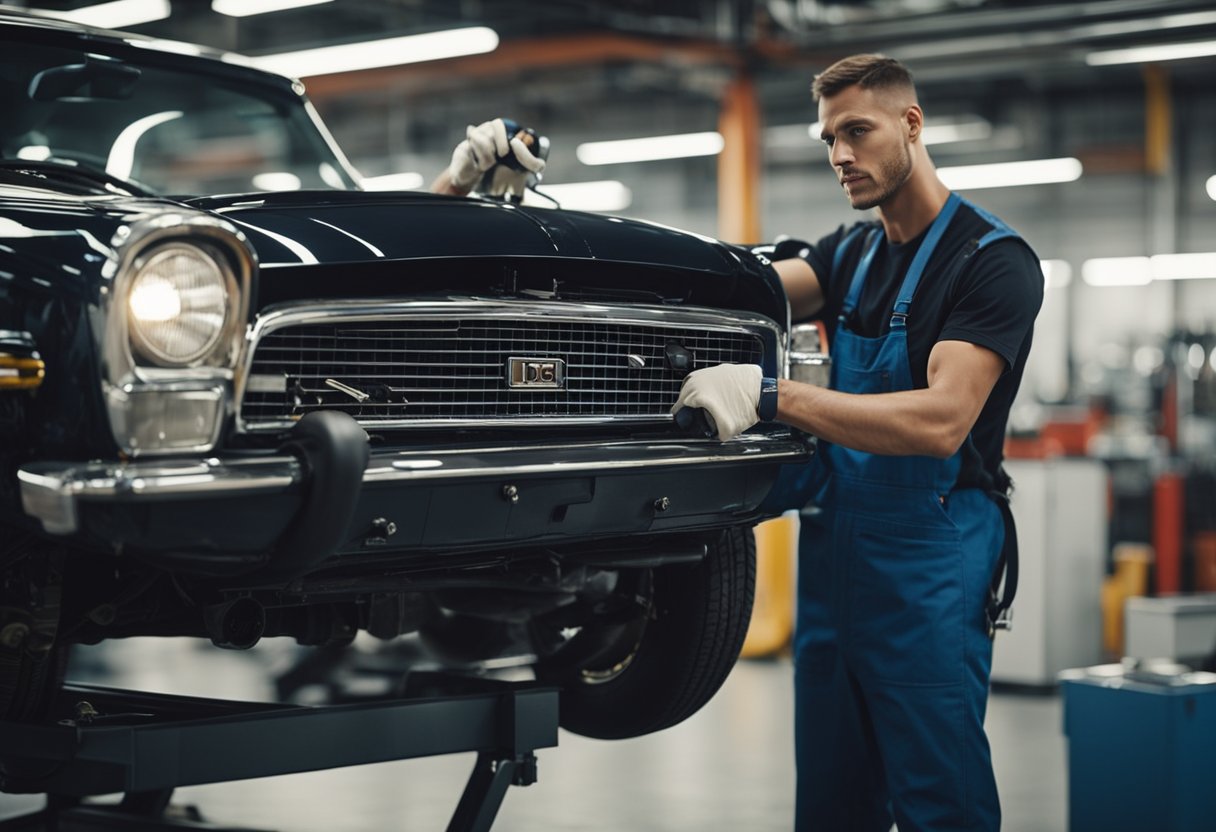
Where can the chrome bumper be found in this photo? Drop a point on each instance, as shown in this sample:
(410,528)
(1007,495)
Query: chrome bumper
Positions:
(52,491)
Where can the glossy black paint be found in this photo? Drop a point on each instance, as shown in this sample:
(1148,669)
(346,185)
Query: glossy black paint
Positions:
(330,228)
(351,227)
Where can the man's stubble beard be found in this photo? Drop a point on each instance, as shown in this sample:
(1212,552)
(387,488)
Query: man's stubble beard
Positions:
(894,172)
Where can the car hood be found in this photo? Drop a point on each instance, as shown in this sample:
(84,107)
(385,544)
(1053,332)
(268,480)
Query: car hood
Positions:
(51,240)
(330,227)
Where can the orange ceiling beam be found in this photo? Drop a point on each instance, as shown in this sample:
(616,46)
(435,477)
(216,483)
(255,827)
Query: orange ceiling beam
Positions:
(515,56)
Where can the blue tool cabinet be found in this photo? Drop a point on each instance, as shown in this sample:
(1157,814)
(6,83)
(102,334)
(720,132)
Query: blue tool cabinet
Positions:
(1141,750)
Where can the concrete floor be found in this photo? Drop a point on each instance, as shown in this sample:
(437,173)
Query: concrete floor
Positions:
(727,768)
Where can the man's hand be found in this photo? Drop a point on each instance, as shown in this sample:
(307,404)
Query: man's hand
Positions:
(728,393)
(483,146)
(506,180)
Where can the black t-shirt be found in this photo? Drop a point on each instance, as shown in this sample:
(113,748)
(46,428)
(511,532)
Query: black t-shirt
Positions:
(988,297)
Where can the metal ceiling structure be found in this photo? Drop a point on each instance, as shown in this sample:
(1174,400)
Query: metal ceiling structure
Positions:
(597,70)
(943,32)
(553,53)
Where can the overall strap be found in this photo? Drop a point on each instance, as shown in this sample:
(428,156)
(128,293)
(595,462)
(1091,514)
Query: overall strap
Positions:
(999,605)
(916,270)
(999,231)
(859,274)
(842,249)
(1003,585)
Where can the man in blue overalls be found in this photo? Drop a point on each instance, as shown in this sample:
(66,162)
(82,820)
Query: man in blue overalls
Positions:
(929,311)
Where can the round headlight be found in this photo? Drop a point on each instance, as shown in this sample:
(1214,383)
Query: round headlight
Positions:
(178,306)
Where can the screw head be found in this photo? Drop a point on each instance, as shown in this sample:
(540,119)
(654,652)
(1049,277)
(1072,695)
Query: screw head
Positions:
(662,504)
(384,526)
(510,493)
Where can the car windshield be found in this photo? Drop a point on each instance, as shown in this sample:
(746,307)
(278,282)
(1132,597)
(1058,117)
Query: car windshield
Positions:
(168,131)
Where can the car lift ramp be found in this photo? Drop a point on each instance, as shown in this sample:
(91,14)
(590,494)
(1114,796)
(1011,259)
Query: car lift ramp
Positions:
(144,745)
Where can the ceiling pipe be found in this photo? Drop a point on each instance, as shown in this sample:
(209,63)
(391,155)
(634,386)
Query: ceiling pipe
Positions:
(905,26)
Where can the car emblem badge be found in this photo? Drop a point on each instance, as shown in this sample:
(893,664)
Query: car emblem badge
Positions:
(536,373)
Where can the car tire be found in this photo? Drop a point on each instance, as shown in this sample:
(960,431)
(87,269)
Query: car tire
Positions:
(32,660)
(699,615)
(29,683)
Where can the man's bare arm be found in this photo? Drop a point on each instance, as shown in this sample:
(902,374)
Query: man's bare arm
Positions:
(802,287)
(934,421)
(443,185)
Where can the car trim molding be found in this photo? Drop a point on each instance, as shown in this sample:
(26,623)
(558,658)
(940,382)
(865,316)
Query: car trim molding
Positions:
(52,491)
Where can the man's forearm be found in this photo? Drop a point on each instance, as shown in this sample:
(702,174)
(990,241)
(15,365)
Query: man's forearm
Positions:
(912,422)
(443,185)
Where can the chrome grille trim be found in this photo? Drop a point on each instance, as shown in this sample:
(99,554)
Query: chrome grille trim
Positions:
(648,392)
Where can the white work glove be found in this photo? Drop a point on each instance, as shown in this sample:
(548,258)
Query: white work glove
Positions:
(483,146)
(478,152)
(507,181)
(729,394)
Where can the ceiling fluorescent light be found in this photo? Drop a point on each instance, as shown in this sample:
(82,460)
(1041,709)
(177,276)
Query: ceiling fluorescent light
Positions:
(1009,174)
(245,8)
(116,15)
(1212,187)
(937,131)
(975,130)
(650,148)
(1151,54)
(1056,273)
(788,136)
(1183,266)
(600,195)
(277,180)
(393,182)
(351,57)
(1117,271)
(34,152)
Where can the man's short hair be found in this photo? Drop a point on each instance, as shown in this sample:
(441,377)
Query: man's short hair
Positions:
(871,71)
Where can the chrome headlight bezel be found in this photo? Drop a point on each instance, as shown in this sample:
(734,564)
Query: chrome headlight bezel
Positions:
(134,379)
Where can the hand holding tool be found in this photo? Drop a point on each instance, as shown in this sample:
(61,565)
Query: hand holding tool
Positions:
(696,421)
(516,170)
(481,148)
(729,393)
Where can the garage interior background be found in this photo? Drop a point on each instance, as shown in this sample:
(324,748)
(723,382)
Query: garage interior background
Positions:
(1124,364)
(1004,81)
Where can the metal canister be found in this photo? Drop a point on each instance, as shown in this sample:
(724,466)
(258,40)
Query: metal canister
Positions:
(809,359)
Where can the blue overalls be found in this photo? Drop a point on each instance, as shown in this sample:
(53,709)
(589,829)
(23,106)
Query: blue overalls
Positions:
(892,650)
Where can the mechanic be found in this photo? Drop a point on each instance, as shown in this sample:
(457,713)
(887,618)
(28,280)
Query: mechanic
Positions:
(483,147)
(930,311)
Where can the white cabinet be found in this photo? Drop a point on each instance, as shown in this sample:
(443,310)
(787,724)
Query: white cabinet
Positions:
(1060,509)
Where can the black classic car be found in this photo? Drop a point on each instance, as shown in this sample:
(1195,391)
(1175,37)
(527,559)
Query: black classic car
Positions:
(240,397)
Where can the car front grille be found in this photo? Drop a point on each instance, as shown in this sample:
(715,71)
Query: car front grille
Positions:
(431,370)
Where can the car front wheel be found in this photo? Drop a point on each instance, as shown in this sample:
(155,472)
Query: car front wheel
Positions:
(660,669)
(31,659)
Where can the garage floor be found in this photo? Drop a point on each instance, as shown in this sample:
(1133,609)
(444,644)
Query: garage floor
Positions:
(727,768)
